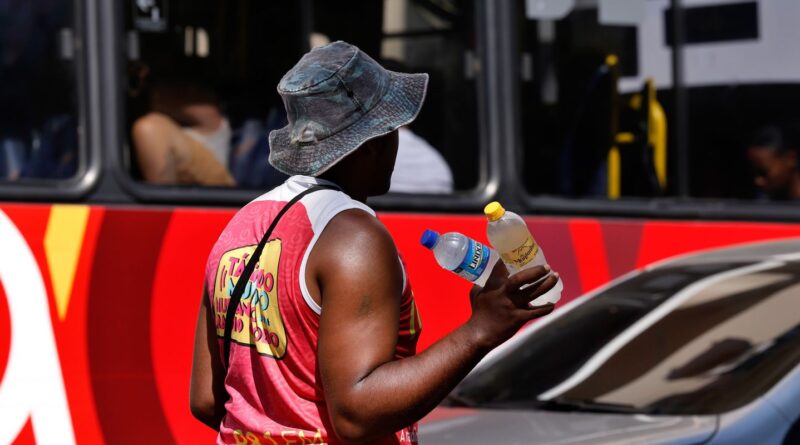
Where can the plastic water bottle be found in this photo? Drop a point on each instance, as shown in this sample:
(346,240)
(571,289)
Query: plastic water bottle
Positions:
(508,233)
(461,255)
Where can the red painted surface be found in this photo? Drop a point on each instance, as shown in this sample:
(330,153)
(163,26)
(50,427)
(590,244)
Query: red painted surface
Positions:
(5,331)
(26,436)
(665,239)
(177,289)
(590,253)
(71,339)
(125,344)
(120,297)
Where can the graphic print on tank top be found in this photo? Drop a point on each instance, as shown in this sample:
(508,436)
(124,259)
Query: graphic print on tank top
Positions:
(258,322)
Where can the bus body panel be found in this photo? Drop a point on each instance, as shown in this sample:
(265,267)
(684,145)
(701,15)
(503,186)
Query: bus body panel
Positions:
(123,285)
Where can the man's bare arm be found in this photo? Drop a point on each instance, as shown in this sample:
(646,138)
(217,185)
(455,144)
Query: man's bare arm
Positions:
(369,394)
(207,394)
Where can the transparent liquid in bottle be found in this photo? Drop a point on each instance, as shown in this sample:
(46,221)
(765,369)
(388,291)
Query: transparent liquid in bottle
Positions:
(461,255)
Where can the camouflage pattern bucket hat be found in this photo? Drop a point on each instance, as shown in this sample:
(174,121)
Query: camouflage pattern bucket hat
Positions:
(337,98)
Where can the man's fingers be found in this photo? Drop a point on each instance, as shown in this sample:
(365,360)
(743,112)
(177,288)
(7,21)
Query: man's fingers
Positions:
(498,276)
(540,311)
(527,294)
(527,276)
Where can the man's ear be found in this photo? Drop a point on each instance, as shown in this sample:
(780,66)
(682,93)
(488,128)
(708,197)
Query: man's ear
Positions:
(364,155)
(372,147)
(791,157)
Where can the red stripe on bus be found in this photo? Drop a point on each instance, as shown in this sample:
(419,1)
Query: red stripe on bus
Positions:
(71,335)
(177,289)
(119,327)
(662,240)
(590,253)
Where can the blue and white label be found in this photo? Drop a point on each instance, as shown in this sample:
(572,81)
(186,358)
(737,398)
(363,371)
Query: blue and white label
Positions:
(475,261)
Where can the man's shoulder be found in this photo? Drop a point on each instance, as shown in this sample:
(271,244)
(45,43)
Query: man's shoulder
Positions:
(357,243)
(355,230)
(356,223)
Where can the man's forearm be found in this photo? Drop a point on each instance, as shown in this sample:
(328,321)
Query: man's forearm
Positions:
(399,393)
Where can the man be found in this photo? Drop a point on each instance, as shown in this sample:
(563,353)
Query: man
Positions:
(324,348)
(773,154)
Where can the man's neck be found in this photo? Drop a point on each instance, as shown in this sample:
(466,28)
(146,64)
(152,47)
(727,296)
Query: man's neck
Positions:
(349,183)
(794,188)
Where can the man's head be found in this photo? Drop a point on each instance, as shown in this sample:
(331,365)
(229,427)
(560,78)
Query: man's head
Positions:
(773,154)
(371,166)
(339,100)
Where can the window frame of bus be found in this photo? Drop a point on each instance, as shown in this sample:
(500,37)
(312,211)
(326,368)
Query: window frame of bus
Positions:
(681,206)
(86,93)
(489,174)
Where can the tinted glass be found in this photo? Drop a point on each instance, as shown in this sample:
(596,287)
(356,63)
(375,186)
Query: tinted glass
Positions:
(201,96)
(38,91)
(584,95)
(202,80)
(439,152)
(743,81)
(706,349)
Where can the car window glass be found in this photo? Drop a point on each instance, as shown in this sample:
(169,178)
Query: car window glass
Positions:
(523,373)
(726,341)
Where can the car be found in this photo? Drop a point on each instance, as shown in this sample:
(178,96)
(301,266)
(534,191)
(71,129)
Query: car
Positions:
(698,349)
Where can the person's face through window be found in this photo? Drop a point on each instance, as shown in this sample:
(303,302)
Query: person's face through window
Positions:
(774,171)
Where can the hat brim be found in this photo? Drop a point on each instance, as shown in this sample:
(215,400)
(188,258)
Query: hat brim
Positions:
(399,106)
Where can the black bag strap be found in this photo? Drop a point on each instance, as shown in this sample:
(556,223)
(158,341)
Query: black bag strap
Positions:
(238,290)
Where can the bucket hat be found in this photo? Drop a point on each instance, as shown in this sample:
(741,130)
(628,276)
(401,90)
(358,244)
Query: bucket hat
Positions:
(337,98)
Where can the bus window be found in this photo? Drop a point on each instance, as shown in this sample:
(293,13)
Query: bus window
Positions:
(39,116)
(598,98)
(589,105)
(439,151)
(742,76)
(201,98)
(202,79)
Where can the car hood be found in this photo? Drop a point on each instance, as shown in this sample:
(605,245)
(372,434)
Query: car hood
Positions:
(466,426)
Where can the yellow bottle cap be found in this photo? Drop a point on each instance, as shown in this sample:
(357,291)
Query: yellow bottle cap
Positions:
(494,211)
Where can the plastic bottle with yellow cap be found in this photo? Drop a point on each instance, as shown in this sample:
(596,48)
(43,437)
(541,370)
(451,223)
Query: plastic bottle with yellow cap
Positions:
(509,235)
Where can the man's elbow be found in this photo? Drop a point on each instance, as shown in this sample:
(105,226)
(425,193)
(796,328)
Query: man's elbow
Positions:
(350,427)
(206,412)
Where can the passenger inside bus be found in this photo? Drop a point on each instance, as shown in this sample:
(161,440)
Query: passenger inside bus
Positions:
(185,138)
(420,167)
(773,154)
(38,125)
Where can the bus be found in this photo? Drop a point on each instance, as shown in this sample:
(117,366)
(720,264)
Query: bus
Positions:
(618,129)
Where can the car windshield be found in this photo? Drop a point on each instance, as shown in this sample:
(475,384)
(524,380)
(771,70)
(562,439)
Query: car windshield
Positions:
(689,339)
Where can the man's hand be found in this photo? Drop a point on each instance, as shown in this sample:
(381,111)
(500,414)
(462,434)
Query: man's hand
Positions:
(501,307)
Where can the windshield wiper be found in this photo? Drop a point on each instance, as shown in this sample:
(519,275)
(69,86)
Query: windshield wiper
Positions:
(556,404)
(564,404)
(454,399)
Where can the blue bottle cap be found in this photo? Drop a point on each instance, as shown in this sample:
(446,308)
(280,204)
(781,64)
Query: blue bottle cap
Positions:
(429,238)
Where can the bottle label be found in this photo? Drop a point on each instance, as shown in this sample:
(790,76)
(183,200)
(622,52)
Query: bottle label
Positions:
(475,261)
(522,255)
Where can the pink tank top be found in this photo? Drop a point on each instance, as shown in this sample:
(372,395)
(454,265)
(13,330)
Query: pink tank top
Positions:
(275,393)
